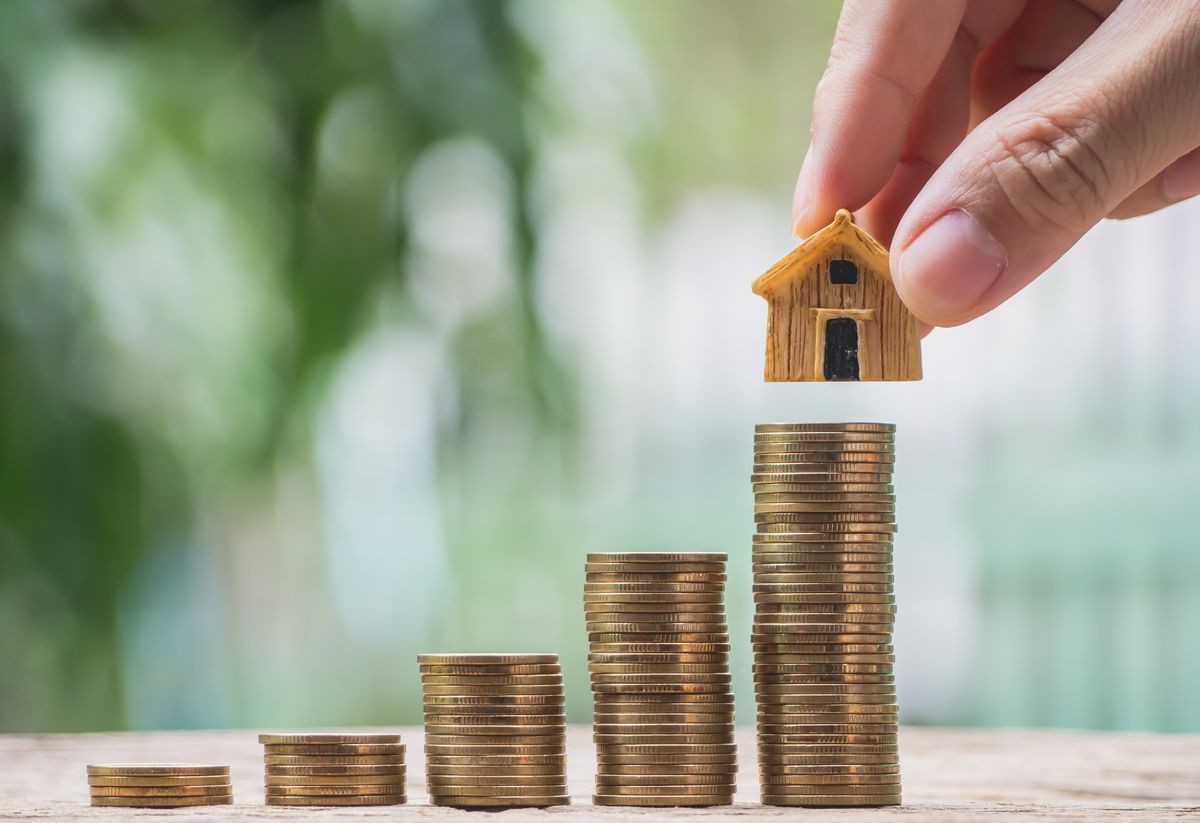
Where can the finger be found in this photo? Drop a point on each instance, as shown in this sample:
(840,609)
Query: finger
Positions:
(1179,181)
(1025,185)
(938,125)
(1045,34)
(883,57)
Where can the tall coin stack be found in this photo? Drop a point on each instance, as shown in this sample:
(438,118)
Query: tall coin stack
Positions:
(334,769)
(495,730)
(659,661)
(159,785)
(824,509)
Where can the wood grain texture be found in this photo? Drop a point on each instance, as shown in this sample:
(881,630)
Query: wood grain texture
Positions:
(948,774)
(801,298)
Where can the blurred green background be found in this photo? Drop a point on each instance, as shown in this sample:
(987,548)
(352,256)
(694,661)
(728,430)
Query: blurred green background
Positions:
(334,332)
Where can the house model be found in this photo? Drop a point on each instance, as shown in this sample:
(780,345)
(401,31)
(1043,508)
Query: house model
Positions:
(833,313)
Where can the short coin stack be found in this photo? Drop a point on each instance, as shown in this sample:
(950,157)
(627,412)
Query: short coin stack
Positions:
(334,769)
(159,785)
(659,660)
(824,608)
(495,730)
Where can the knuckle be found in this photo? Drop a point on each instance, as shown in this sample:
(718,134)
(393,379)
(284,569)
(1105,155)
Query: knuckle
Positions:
(1054,169)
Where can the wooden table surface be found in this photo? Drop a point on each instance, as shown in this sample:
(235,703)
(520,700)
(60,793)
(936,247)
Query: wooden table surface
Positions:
(948,774)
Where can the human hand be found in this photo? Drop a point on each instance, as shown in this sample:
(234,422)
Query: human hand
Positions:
(1081,109)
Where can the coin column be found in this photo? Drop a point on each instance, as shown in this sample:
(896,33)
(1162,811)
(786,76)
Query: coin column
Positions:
(659,661)
(159,785)
(326,769)
(824,509)
(495,730)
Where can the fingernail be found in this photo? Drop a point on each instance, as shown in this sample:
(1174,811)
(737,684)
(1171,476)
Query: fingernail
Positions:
(802,196)
(948,267)
(1181,180)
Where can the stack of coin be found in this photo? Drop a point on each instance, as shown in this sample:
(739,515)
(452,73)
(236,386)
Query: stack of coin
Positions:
(824,608)
(334,769)
(159,785)
(658,652)
(495,730)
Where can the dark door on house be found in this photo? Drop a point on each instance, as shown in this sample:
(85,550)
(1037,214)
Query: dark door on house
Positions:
(841,349)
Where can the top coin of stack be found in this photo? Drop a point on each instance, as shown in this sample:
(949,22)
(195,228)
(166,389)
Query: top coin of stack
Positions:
(159,785)
(495,730)
(825,507)
(334,769)
(659,662)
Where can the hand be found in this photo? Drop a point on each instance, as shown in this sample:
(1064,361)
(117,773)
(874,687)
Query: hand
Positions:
(1080,109)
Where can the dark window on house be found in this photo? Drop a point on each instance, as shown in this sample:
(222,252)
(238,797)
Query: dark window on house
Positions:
(843,273)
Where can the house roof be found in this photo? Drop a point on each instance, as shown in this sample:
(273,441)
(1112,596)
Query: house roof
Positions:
(841,230)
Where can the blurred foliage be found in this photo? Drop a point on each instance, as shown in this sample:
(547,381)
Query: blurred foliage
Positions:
(298,119)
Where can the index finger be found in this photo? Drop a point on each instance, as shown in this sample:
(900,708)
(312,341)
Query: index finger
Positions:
(884,56)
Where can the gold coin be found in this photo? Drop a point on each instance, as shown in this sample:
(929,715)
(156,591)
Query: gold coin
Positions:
(164,769)
(492,690)
(527,801)
(657,557)
(479,782)
(363,790)
(829,800)
(658,659)
(847,688)
(506,671)
(325,739)
(795,530)
(801,712)
(835,474)
(804,579)
(869,488)
(832,774)
(800,757)
(863,787)
(710,580)
(784,659)
(701,627)
(515,753)
(602,638)
(362,781)
(459,768)
(845,435)
(869,625)
(651,587)
(336,800)
(664,801)
(612,760)
(161,791)
(627,598)
(820,520)
(762,667)
(661,678)
(515,789)
(677,786)
(492,718)
(875,584)
(699,698)
(520,730)
(827,729)
(690,718)
(775,644)
(337,748)
(795,745)
(660,688)
(884,428)
(871,511)
(766,556)
(557,739)
(657,612)
(484,659)
(817,540)
(705,569)
(660,728)
(811,496)
(784,455)
(881,572)
(613,650)
(626,668)
(725,780)
(716,772)
(333,770)
(494,709)
(333,759)
(491,680)
(663,739)
(495,699)
(163,802)
(158,780)
(786,595)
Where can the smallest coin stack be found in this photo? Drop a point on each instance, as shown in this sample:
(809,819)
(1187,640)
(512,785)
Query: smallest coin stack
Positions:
(334,769)
(495,730)
(159,785)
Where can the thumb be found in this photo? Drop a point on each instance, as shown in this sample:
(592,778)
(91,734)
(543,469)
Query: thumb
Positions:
(1031,180)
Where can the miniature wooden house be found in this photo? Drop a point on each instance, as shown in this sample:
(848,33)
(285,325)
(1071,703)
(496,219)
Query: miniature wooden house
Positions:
(833,313)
